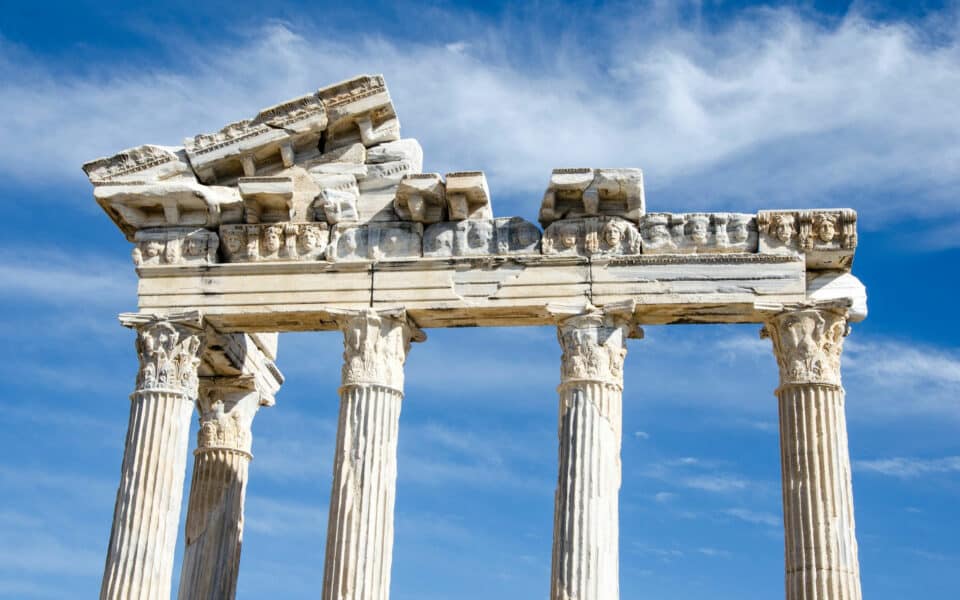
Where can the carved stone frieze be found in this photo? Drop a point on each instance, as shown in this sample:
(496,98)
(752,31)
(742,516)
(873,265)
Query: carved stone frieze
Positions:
(276,135)
(808,343)
(481,237)
(698,233)
(594,348)
(376,241)
(360,109)
(169,354)
(174,246)
(585,192)
(375,347)
(276,241)
(592,236)
(827,238)
(143,163)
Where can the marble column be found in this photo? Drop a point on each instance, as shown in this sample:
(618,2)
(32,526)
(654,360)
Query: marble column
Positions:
(360,531)
(147,513)
(214,535)
(821,547)
(586,523)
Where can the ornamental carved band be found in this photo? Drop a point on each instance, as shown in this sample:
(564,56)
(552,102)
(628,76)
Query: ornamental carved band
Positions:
(593,349)
(169,356)
(808,343)
(375,347)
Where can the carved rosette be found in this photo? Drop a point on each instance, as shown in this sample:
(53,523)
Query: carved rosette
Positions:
(375,347)
(169,356)
(594,348)
(808,343)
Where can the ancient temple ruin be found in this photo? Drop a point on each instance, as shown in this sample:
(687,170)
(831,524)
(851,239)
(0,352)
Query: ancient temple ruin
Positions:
(315,214)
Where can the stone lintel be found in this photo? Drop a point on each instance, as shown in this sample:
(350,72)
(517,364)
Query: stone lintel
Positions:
(467,291)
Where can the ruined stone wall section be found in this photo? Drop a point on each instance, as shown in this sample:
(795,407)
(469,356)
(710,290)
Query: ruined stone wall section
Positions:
(327,177)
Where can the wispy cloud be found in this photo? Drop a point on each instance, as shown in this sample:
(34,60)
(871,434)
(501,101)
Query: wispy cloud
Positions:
(754,517)
(909,468)
(50,276)
(779,107)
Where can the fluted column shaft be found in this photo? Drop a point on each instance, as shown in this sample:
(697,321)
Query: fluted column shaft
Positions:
(820,542)
(147,512)
(214,536)
(360,530)
(585,563)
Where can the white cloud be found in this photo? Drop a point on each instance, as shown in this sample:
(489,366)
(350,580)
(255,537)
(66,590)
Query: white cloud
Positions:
(889,378)
(771,109)
(52,276)
(755,517)
(909,468)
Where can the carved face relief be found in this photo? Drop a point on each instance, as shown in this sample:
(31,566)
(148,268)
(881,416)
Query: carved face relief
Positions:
(739,231)
(568,236)
(699,230)
(350,241)
(523,236)
(309,239)
(194,246)
(478,235)
(658,233)
(825,228)
(271,239)
(782,228)
(232,241)
(613,235)
(152,249)
(172,252)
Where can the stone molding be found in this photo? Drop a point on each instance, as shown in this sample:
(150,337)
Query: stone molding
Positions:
(169,349)
(375,346)
(808,342)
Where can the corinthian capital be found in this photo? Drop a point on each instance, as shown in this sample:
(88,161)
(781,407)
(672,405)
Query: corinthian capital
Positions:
(375,346)
(808,342)
(227,406)
(594,347)
(169,352)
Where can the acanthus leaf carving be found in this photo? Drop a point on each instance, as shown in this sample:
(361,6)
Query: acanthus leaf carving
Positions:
(375,347)
(594,348)
(169,357)
(808,343)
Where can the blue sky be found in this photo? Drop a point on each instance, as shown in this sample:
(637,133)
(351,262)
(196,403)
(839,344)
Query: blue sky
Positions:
(725,105)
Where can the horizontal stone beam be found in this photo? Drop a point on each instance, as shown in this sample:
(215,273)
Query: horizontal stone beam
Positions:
(465,292)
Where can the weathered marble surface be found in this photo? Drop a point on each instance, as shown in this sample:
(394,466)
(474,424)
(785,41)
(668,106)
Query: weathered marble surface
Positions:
(175,246)
(591,236)
(698,233)
(481,237)
(147,512)
(375,241)
(359,549)
(827,238)
(586,192)
(820,541)
(276,241)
